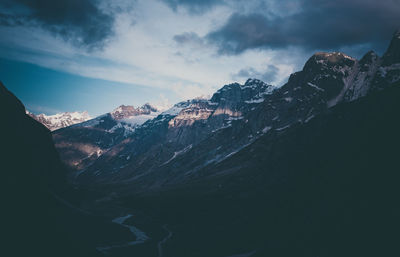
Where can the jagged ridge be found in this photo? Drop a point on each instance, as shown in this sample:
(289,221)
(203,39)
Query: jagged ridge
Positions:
(200,132)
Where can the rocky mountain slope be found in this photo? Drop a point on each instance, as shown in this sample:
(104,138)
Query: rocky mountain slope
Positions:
(60,120)
(327,188)
(169,149)
(81,144)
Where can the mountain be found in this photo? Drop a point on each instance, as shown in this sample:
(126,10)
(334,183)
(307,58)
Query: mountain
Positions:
(94,137)
(36,218)
(171,148)
(124,113)
(60,120)
(80,144)
(308,169)
(326,188)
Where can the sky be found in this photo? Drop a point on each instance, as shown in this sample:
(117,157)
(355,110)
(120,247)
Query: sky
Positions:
(94,55)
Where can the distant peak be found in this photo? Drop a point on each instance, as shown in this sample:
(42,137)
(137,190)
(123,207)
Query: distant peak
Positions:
(323,60)
(332,56)
(148,106)
(371,53)
(392,54)
(60,120)
(126,111)
(369,57)
(253,81)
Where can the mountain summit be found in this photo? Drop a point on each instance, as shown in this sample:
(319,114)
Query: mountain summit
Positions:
(128,111)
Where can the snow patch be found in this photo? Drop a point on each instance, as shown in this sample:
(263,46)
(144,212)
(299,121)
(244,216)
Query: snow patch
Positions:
(316,87)
(223,127)
(128,129)
(282,128)
(184,150)
(140,119)
(173,111)
(255,101)
(266,129)
(308,118)
(347,82)
(235,118)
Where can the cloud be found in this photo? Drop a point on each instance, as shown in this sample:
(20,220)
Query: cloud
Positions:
(189,38)
(317,24)
(80,22)
(268,75)
(193,6)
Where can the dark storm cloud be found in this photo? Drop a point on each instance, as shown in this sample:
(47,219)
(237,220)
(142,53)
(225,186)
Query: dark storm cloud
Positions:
(318,24)
(80,22)
(193,6)
(269,75)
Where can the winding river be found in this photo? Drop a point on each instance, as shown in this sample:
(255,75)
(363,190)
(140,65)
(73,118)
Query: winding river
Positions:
(141,237)
(162,242)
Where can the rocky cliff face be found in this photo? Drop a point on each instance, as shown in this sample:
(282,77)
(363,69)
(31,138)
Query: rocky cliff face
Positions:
(128,111)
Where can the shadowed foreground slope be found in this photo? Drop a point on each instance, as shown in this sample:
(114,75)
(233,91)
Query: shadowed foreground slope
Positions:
(35,220)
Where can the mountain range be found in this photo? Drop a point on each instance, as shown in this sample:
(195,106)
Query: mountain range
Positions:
(200,133)
(125,113)
(306,169)
(60,120)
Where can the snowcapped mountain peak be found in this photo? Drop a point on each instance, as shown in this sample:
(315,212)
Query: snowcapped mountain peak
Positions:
(333,56)
(128,111)
(258,84)
(71,115)
(148,107)
(325,59)
(228,87)
(122,111)
(177,108)
(60,120)
(254,84)
(234,95)
(251,81)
